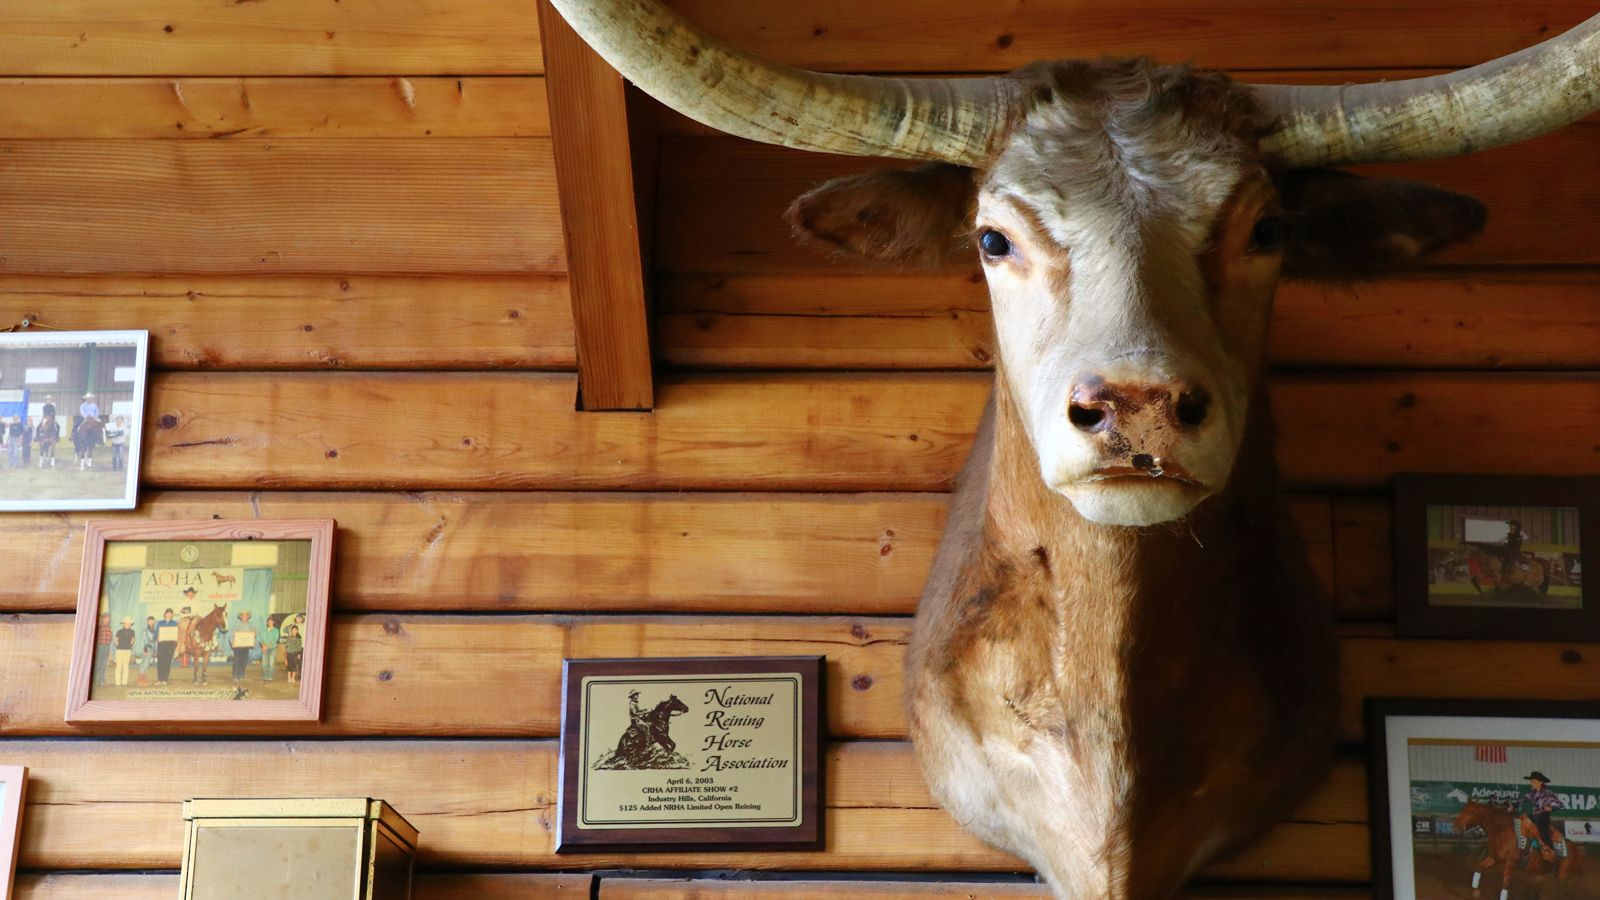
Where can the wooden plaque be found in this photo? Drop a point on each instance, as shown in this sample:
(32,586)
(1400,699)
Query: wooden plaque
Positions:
(682,754)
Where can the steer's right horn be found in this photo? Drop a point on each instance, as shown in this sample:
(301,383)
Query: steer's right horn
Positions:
(959,120)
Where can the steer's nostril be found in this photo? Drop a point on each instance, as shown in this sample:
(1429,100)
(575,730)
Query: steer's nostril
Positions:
(1085,417)
(1143,461)
(1192,408)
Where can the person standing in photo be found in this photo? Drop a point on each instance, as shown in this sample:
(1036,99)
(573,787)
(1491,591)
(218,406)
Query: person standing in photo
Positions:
(269,649)
(27,442)
(147,655)
(165,648)
(241,655)
(102,649)
(124,640)
(14,441)
(293,647)
(117,432)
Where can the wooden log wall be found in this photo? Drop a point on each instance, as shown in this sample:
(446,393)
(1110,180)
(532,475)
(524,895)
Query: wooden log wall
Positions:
(340,224)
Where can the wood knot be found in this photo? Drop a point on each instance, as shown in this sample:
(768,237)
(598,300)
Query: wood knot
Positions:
(385,675)
(1004,41)
(332,454)
(860,632)
(861,683)
(167,422)
(391,626)
(1571,657)
(1406,401)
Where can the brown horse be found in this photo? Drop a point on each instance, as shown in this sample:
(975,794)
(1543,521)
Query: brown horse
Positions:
(197,635)
(48,433)
(1502,848)
(86,436)
(1489,570)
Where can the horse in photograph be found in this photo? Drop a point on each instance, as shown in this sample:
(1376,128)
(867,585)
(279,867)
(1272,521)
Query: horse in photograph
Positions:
(197,637)
(1489,569)
(48,435)
(1501,828)
(89,434)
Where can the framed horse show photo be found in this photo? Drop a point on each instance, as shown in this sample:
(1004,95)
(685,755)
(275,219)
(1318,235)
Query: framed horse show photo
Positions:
(1498,799)
(1496,557)
(13,793)
(71,418)
(683,754)
(214,620)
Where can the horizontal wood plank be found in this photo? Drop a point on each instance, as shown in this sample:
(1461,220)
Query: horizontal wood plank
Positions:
(426,676)
(294,206)
(952,36)
(198,37)
(824,432)
(520,431)
(709,889)
(496,806)
(1505,319)
(1363,556)
(721,203)
(428,886)
(863,554)
(248,108)
(357,322)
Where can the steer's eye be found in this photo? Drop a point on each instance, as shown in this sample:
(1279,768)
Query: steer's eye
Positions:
(1268,234)
(994,244)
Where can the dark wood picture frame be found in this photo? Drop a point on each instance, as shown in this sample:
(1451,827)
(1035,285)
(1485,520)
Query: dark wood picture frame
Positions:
(1417,617)
(306,708)
(808,835)
(1377,713)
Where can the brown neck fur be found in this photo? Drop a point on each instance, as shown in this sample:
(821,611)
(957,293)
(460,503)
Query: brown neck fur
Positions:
(1169,662)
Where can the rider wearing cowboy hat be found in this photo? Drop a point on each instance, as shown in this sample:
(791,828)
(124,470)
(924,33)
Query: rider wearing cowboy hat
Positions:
(1543,801)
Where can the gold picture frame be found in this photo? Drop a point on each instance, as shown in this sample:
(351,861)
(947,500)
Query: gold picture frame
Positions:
(255,575)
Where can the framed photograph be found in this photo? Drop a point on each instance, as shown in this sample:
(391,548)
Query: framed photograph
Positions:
(214,620)
(1495,556)
(13,794)
(686,754)
(72,413)
(1498,799)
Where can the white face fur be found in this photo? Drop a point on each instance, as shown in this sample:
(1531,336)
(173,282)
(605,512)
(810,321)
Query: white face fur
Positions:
(1106,278)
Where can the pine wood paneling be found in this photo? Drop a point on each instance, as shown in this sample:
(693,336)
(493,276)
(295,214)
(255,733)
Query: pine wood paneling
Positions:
(202,37)
(955,36)
(795,553)
(359,322)
(428,886)
(293,206)
(248,108)
(899,431)
(429,676)
(722,199)
(1486,319)
(497,805)
(1363,556)
(708,889)
(594,172)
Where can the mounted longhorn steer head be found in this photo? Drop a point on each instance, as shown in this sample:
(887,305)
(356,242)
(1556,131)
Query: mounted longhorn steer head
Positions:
(1120,668)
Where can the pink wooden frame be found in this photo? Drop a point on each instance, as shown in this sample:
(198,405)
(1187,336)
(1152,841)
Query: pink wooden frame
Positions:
(308,708)
(16,782)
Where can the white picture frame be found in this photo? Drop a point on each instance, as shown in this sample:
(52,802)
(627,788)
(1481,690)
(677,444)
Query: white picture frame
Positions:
(44,476)
(13,797)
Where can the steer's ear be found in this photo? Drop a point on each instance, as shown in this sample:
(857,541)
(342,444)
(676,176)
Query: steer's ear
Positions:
(1346,228)
(916,217)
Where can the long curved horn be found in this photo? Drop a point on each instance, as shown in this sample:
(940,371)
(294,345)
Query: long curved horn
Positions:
(1501,102)
(955,120)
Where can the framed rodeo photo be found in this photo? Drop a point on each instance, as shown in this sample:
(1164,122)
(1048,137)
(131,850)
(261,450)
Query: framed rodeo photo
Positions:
(1490,799)
(213,620)
(71,418)
(686,754)
(1496,557)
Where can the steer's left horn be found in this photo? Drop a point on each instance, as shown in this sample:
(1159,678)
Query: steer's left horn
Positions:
(1501,102)
(957,120)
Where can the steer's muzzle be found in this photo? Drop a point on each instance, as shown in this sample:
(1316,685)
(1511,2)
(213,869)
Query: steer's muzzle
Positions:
(1145,451)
